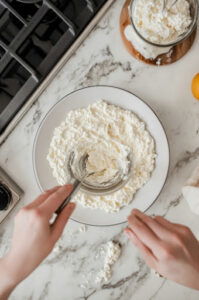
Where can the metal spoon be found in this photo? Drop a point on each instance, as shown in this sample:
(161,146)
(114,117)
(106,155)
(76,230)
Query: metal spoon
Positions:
(82,179)
(76,187)
(77,183)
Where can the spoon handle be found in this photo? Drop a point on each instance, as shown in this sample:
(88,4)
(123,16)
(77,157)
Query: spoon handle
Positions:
(76,187)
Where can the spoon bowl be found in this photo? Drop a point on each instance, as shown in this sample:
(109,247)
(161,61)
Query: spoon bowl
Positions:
(78,172)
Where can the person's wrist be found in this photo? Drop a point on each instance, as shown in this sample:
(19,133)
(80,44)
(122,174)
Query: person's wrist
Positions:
(196,283)
(8,281)
(193,281)
(197,276)
(9,277)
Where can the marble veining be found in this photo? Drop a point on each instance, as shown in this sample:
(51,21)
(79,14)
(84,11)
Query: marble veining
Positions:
(69,271)
(156,292)
(187,157)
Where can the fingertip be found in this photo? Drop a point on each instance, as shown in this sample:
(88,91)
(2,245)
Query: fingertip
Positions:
(71,205)
(130,235)
(54,189)
(128,231)
(135,211)
(68,210)
(132,218)
(65,190)
(69,187)
(129,217)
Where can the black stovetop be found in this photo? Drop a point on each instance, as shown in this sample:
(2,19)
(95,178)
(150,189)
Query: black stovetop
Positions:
(34,34)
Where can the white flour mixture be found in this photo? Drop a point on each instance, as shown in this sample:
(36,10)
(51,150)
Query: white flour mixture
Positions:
(107,133)
(105,159)
(113,251)
(158,26)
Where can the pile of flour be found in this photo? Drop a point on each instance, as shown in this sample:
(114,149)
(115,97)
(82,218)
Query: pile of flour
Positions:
(107,133)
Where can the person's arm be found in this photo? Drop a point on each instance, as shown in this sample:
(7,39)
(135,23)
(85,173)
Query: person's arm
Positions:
(170,249)
(33,237)
(6,284)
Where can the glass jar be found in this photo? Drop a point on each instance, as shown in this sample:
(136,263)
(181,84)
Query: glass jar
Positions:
(147,47)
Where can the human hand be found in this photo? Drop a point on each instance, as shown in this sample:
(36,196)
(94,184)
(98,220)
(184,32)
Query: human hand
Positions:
(170,249)
(33,237)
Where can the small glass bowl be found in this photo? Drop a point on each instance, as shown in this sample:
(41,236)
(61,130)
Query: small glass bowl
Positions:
(194,8)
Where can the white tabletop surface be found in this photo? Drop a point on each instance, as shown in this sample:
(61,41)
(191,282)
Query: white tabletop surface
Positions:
(69,272)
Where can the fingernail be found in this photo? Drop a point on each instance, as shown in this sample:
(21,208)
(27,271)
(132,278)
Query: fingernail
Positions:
(54,188)
(127,231)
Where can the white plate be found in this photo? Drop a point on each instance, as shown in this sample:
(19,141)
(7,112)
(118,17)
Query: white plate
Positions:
(82,98)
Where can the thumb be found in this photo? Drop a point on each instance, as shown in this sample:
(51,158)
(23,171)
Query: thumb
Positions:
(62,220)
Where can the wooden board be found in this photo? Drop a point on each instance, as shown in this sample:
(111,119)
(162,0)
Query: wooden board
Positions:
(178,51)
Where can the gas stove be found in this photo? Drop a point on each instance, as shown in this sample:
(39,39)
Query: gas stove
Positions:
(37,37)
(10,194)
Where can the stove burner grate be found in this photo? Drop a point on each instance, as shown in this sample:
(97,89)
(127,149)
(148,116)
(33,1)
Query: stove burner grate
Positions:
(34,35)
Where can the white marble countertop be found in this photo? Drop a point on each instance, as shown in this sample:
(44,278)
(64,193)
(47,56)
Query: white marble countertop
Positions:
(102,59)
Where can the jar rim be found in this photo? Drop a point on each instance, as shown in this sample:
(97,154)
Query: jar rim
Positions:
(180,39)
